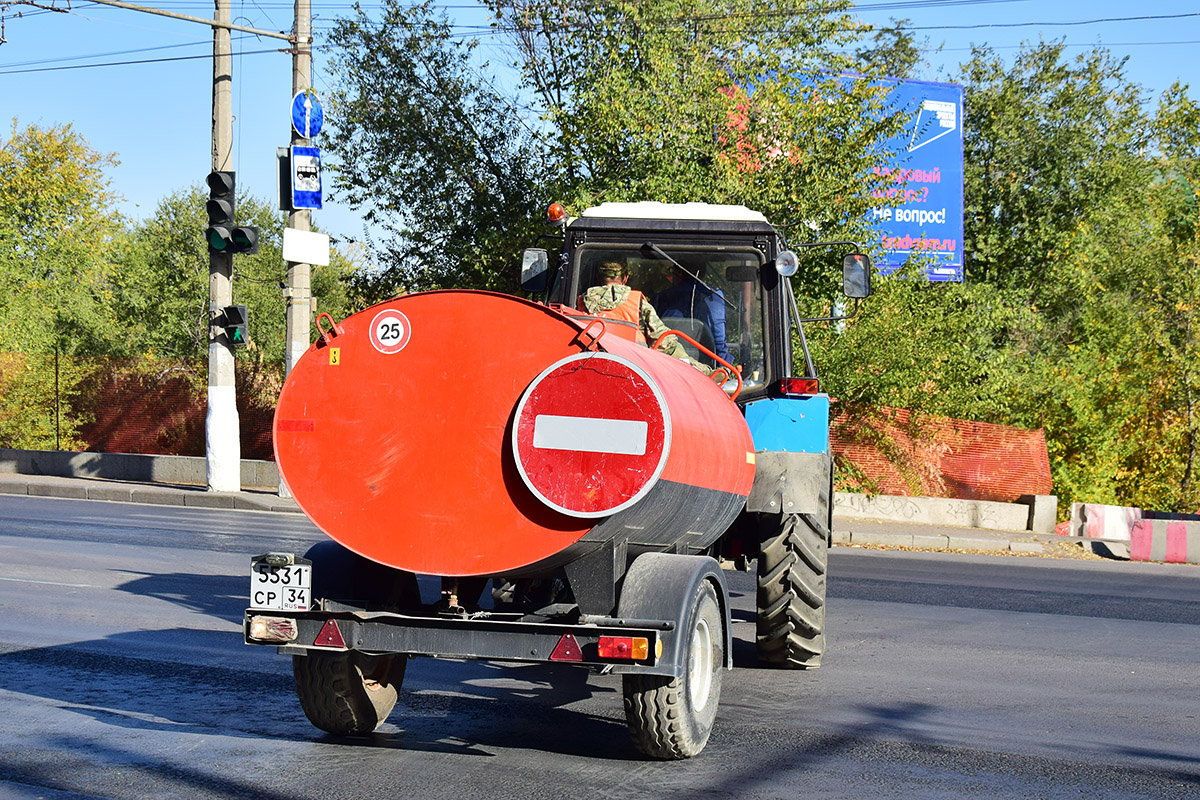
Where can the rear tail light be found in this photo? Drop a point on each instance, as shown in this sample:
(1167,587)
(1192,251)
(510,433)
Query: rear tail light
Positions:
(625,648)
(794,387)
(273,629)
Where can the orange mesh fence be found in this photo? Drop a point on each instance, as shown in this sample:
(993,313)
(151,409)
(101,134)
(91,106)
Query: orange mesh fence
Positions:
(897,452)
(108,405)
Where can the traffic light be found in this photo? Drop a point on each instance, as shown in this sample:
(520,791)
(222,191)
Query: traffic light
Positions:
(236,322)
(223,236)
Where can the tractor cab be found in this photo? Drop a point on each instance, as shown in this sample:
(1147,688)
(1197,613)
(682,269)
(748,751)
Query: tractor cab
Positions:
(708,272)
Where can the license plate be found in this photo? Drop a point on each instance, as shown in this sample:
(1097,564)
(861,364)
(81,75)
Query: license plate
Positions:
(283,588)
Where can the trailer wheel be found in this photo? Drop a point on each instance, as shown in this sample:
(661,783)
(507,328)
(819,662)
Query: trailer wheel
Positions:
(348,694)
(792,560)
(671,718)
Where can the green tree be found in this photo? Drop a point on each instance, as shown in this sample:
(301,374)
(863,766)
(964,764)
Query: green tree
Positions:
(659,100)
(59,227)
(1080,205)
(57,232)
(894,52)
(1047,142)
(437,155)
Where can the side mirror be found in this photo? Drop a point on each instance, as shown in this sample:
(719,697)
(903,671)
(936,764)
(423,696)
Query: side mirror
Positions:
(535,267)
(856,276)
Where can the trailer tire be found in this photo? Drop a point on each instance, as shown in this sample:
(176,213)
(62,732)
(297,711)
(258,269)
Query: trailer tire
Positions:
(792,561)
(671,718)
(347,694)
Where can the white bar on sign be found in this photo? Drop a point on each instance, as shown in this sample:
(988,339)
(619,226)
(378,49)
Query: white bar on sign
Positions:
(623,437)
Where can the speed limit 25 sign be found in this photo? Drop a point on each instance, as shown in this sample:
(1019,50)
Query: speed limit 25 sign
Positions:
(390,331)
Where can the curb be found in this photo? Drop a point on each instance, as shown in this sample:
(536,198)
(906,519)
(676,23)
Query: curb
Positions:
(166,496)
(937,541)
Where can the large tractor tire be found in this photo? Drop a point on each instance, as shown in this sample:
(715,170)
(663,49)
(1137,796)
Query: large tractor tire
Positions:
(348,694)
(792,558)
(671,718)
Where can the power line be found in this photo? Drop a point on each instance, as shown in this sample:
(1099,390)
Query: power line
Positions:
(1064,44)
(1047,24)
(109,54)
(123,63)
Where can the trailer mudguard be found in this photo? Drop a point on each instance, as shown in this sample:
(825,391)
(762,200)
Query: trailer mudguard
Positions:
(661,586)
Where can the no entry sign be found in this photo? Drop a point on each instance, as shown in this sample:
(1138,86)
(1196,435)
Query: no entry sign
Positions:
(592,435)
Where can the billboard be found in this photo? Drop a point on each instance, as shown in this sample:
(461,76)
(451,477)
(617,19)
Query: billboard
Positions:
(927,178)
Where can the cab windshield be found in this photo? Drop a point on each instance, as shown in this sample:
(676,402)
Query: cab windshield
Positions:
(722,311)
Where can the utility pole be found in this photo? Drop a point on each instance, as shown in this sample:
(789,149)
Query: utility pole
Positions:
(298,294)
(222,433)
(299,283)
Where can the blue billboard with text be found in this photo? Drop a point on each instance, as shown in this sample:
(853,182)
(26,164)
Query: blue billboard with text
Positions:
(921,207)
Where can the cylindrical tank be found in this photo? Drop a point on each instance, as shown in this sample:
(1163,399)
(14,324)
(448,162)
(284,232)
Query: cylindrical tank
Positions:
(473,433)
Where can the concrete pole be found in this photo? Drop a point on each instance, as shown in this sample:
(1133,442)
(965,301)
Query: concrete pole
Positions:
(299,291)
(223,449)
(298,294)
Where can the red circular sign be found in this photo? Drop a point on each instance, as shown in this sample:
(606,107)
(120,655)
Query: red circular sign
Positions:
(592,435)
(390,331)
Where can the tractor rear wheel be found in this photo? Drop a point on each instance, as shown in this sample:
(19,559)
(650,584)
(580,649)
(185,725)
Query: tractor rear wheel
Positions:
(792,559)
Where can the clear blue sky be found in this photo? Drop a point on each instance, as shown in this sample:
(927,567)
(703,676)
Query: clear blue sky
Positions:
(156,114)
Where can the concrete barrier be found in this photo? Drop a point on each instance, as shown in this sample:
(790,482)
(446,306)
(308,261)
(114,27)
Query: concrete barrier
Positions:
(182,470)
(1037,511)
(1172,541)
(1137,534)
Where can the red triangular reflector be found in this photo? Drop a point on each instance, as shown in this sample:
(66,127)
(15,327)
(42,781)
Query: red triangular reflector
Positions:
(567,649)
(330,636)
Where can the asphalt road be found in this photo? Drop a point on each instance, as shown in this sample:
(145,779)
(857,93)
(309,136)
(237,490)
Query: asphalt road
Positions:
(122,675)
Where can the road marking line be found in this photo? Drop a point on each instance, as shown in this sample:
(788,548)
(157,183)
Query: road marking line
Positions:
(52,583)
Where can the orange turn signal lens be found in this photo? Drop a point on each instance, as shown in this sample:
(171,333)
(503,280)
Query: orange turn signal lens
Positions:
(627,648)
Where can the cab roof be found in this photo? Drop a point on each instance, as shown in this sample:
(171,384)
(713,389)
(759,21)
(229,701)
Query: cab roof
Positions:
(674,211)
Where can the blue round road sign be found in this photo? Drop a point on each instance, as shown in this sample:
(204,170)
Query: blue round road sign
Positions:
(307,114)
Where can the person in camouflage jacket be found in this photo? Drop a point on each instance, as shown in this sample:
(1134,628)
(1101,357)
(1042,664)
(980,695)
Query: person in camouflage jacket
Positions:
(615,300)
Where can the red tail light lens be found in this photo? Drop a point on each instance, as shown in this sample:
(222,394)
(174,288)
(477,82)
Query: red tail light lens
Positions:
(626,648)
(794,387)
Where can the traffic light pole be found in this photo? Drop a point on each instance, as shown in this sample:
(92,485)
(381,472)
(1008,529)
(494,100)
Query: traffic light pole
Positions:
(222,433)
(298,293)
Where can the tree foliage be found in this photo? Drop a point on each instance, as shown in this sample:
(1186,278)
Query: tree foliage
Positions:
(433,151)
(58,227)
(57,233)
(725,102)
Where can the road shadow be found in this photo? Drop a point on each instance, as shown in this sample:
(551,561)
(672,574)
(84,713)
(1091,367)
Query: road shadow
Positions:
(446,706)
(221,596)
